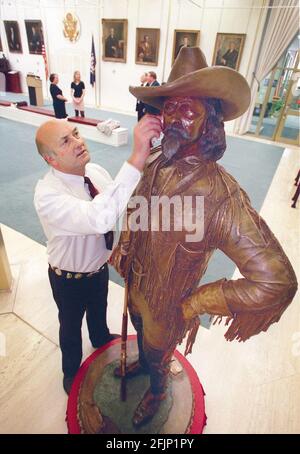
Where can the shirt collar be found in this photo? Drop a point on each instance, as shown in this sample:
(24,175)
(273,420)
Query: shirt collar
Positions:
(68,177)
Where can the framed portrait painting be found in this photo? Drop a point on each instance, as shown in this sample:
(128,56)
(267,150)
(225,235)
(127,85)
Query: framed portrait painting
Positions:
(184,38)
(147,46)
(114,37)
(228,50)
(13,36)
(35,37)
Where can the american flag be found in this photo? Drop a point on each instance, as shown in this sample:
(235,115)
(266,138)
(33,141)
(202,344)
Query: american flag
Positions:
(45,61)
(93,64)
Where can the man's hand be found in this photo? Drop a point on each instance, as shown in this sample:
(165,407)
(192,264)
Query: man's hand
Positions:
(209,299)
(149,127)
(187,310)
(117,260)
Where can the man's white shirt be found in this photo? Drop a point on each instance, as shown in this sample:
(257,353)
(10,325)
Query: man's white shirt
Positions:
(73,222)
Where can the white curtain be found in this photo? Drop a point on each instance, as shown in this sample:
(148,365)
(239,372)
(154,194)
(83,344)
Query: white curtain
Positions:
(282,26)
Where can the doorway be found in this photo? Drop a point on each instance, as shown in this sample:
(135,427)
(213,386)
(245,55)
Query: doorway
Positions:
(276,112)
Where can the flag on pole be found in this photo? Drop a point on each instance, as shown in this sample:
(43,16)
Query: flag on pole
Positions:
(93,64)
(45,61)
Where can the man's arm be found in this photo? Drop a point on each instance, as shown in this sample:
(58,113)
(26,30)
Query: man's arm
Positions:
(69,215)
(119,258)
(269,283)
(62,98)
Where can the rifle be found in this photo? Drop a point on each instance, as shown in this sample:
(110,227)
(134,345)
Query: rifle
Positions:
(124,345)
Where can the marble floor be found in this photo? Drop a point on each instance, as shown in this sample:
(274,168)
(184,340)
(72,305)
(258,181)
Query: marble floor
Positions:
(250,388)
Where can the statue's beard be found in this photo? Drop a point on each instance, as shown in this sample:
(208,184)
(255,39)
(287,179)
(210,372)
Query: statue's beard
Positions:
(174,139)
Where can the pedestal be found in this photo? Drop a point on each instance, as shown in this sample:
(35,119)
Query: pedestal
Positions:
(95,397)
(35,90)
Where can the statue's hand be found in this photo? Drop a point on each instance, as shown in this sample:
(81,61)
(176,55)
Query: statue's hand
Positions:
(188,310)
(118,260)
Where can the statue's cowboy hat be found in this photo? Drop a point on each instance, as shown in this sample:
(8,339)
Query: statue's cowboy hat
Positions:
(191,76)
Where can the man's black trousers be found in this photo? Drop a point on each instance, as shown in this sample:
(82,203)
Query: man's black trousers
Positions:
(74,298)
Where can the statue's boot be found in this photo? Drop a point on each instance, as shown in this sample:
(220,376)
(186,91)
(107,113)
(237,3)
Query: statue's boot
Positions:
(159,366)
(147,408)
(139,366)
(132,370)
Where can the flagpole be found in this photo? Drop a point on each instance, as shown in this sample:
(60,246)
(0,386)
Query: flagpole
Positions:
(96,97)
(93,64)
(96,93)
(45,35)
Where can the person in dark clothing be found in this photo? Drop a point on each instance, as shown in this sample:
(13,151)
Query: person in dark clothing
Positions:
(13,39)
(58,99)
(230,57)
(152,82)
(140,106)
(145,50)
(112,45)
(185,43)
(77,93)
(35,41)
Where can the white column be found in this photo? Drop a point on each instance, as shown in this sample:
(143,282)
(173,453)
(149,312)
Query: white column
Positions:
(5,273)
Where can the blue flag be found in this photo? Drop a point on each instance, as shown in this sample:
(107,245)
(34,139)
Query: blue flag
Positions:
(93,64)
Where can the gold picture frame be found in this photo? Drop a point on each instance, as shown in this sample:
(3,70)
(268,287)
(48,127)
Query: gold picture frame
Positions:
(188,38)
(114,44)
(13,36)
(147,46)
(229,49)
(35,36)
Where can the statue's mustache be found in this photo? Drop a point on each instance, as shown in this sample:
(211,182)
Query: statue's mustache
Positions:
(176,131)
(174,137)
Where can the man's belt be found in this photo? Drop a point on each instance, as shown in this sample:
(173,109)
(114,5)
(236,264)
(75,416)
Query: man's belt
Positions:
(73,275)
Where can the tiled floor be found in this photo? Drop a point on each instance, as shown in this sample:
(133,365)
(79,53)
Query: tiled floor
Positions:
(250,388)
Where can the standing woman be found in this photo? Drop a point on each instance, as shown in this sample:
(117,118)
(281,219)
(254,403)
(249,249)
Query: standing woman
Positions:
(58,99)
(77,93)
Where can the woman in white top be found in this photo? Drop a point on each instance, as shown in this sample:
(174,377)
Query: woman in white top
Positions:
(77,93)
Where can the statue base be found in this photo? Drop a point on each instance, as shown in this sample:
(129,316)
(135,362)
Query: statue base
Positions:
(95,405)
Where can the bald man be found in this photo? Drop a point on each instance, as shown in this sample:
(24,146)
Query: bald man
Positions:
(78,204)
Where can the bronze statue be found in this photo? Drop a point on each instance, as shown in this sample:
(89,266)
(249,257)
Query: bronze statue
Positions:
(162,268)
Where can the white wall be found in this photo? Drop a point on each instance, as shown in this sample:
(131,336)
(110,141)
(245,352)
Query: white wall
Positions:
(113,79)
(25,62)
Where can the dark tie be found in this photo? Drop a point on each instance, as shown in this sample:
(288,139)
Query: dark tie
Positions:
(109,236)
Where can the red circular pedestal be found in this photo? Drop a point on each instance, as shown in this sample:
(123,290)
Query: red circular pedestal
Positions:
(197,421)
